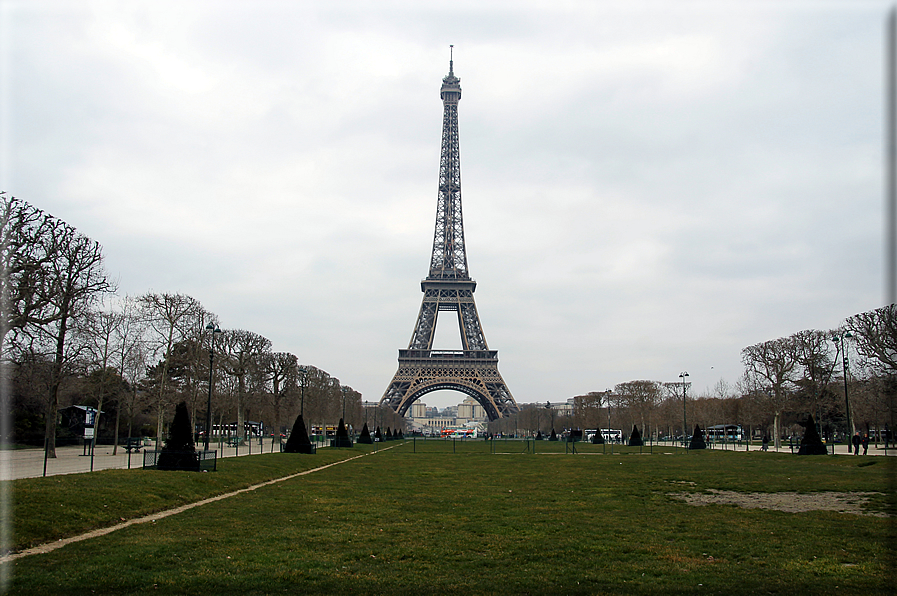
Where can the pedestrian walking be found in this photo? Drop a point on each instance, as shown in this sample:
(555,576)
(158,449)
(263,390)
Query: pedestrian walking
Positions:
(865,443)
(856,443)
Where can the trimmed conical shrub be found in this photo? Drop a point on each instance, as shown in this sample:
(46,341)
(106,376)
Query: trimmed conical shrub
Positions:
(697,439)
(378,436)
(388,434)
(598,438)
(635,439)
(179,452)
(365,436)
(342,436)
(298,442)
(539,436)
(552,436)
(811,443)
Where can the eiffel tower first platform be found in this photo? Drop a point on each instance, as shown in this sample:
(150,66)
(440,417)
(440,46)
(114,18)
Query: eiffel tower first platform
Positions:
(473,370)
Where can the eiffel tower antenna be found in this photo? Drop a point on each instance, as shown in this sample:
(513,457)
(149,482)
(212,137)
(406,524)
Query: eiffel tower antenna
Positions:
(473,370)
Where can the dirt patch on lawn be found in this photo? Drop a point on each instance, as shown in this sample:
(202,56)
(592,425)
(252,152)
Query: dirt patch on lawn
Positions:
(791,502)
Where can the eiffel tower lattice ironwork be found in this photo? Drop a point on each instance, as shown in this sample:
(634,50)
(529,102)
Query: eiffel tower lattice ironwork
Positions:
(473,370)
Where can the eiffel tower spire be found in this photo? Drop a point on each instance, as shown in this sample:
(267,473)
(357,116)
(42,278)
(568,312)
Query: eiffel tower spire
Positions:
(448,287)
(449,260)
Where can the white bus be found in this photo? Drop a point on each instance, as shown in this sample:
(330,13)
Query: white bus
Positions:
(720,433)
(610,435)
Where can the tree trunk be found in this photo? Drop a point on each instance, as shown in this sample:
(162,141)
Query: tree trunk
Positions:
(159,425)
(53,409)
(241,387)
(117,421)
(775,428)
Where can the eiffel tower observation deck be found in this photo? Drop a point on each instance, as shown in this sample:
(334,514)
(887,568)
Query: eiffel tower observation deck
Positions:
(473,370)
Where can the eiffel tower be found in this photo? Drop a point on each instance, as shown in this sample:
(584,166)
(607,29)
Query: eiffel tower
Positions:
(473,370)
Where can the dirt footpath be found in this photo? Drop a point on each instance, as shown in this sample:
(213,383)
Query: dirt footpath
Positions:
(791,502)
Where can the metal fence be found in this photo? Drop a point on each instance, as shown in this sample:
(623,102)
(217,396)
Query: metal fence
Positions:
(75,459)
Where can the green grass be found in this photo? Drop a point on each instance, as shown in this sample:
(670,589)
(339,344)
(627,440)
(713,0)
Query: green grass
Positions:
(46,509)
(473,522)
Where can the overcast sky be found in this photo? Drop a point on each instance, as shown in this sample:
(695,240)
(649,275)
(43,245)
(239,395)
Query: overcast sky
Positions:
(648,187)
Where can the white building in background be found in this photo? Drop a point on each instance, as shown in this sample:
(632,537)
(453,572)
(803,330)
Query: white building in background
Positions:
(429,421)
(470,411)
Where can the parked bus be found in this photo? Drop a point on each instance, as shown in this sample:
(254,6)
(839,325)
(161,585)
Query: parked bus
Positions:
(724,432)
(611,435)
(250,429)
(459,433)
(329,430)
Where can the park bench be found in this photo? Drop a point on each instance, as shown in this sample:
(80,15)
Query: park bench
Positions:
(132,444)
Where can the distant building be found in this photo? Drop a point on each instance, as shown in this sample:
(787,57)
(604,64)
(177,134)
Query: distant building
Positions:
(470,409)
(431,421)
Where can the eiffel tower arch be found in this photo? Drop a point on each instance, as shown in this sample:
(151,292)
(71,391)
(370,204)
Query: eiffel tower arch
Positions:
(472,370)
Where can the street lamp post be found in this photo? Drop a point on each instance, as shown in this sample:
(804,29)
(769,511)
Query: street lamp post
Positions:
(845,366)
(212,329)
(684,376)
(304,372)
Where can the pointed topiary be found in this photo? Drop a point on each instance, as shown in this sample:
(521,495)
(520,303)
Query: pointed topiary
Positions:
(365,436)
(539,436)
(697,439)
(598,438)
(378,436)
(388,434)
(552,436)
(179,452)
(811,443)
(635,439)
(342,436)
(298,442)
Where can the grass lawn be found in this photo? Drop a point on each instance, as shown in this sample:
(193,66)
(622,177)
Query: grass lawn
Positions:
(437,518)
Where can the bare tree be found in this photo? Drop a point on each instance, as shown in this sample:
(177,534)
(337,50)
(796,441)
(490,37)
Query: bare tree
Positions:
(816,367)
(75,279)
(198,338)
(243,355)
(770,367)
(169,319)
(640,398)
(875,332)
(587,409)
(283,373)
(102,335)
(675,407)
(26,259)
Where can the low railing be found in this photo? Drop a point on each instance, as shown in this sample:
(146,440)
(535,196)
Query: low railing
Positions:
(199,460)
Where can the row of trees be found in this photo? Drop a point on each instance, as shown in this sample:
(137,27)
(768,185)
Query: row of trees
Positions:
(66,338)
(846,378)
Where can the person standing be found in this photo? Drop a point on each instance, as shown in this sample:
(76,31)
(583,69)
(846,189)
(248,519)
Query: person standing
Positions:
(856,443)
(865,443)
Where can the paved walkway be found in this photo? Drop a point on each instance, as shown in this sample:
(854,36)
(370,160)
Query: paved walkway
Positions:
(29,463)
